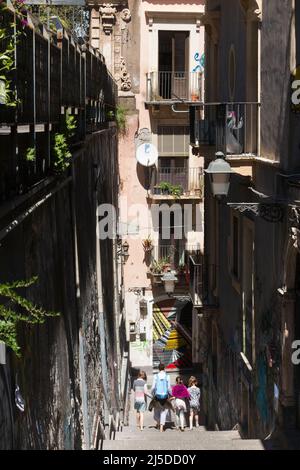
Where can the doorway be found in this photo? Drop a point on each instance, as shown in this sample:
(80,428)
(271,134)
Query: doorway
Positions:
(173,60)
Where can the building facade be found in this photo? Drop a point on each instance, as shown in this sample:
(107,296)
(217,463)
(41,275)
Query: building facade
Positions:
(250,316)
(155,50)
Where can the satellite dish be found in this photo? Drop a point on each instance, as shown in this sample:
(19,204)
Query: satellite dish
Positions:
(146,154)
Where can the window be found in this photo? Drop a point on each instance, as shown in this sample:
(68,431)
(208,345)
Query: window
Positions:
(173,64)
(173,140)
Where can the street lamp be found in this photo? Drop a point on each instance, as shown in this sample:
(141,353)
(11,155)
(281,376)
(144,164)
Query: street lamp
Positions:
(169,280)
(123,252)
(219,172)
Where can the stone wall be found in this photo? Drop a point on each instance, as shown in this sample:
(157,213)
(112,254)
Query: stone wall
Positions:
(62,375)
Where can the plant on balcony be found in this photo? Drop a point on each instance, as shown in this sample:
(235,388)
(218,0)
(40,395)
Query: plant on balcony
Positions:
(147,244)
(159,266)
(169,189)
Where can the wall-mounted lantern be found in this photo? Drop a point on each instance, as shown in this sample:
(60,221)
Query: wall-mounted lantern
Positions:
(123,251)
(169,280)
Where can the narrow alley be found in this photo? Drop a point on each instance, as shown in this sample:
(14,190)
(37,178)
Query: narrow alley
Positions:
(149,221)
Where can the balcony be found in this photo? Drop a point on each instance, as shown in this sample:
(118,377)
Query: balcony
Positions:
(174,87)
(231,128)
(175,183)
(175,257)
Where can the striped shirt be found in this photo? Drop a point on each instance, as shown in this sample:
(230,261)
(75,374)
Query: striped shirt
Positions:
(140,389)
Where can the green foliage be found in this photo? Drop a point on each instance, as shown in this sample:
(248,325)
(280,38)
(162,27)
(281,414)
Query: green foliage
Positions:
(7,64)
(9,37)
(174,190)
(18,309)
(61,147)
(61,152)
(158,265)
(71,126)
(30,154)
(120,117)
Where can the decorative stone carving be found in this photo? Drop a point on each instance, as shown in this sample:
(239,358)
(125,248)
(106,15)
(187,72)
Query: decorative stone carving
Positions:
(252,9)
(211,21)
(108,15)
(125,76)
(126,15)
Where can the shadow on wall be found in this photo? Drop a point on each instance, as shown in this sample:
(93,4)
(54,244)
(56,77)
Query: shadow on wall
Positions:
(143,174)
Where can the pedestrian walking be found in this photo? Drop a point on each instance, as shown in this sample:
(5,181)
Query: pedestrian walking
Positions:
(180,394)
(140,398)
(161,390)
(195,395)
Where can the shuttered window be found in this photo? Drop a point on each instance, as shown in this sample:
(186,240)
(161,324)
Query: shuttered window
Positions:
(173,140)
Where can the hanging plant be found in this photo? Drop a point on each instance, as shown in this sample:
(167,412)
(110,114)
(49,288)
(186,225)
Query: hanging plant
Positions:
(147,244)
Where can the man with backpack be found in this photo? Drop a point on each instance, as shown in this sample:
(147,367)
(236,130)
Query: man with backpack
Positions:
(161,390)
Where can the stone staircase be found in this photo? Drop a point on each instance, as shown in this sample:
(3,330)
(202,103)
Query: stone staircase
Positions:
(132,438)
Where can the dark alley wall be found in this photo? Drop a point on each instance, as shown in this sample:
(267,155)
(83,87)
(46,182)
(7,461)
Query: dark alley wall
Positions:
(60,373)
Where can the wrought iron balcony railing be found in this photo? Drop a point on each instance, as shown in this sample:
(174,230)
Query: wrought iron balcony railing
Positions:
(230,127)
(174,86)
(177,182)
(176,254)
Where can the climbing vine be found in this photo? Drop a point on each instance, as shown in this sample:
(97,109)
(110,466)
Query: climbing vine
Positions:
(18,309)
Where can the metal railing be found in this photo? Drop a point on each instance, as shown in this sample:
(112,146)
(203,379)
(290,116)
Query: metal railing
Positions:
(174,86)
(176,254)
(53,75)
(188,181)
(231,127)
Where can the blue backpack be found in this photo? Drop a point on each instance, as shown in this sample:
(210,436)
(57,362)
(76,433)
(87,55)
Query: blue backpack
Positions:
(161,387)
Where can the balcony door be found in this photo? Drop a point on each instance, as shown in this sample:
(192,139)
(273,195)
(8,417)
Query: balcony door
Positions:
(173,62)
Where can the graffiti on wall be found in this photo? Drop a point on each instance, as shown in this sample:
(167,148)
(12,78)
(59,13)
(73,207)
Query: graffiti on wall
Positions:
(171,338)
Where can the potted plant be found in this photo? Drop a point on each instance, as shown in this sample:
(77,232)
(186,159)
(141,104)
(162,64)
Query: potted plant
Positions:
(166,265)
(147,244)
(165,188)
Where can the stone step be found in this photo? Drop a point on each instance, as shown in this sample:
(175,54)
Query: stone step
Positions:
(171,434)
(178,444)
